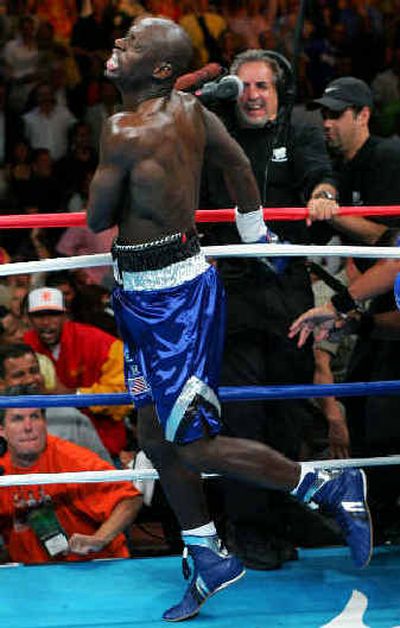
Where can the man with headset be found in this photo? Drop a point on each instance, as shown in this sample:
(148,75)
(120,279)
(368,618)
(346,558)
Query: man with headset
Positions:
(291,166)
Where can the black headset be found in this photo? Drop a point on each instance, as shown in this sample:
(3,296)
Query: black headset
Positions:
(285,84)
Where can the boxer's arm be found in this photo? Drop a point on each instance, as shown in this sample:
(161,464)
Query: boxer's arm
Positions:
(225,153)
(107,185)
(240,181)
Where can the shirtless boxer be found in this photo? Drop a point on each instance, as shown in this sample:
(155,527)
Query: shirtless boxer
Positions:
(170,305)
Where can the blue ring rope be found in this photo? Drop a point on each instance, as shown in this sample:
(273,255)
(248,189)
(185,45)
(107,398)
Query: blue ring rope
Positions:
(227,393)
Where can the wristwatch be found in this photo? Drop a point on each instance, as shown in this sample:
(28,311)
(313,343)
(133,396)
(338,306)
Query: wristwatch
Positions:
(326,194)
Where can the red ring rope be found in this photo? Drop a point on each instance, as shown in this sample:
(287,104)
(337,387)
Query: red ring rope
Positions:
(78,219)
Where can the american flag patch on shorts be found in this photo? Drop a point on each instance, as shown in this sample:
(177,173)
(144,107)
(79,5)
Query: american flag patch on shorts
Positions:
(136,382)
(138,385)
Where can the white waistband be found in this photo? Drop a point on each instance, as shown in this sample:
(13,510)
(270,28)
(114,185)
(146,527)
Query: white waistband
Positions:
(168,277)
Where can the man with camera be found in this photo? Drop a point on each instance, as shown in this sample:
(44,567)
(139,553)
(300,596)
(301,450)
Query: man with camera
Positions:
(58,522)
(291,166)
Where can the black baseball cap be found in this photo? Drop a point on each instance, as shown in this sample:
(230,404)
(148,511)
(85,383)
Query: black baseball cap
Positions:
(344,92)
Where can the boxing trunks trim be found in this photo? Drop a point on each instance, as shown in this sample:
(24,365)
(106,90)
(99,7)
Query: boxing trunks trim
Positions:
(193,388)
(165,263)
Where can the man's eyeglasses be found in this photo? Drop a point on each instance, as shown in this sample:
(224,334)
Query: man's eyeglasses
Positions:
(329,114)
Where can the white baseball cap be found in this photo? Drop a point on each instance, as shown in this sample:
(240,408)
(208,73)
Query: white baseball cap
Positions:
(45,300)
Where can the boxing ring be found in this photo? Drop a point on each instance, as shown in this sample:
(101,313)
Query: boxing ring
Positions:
(320,590)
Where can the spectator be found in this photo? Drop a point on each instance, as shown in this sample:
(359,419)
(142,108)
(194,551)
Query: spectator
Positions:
(12,329)
(84,306)
(91,36)
(13,324)
(21,366)
(10,129)
(368,48)
(42,191)
(47,125)
(204,27)
(87,360)
(57,65)
(22,279)
(64,281)
(386,91)
(61,14)
(247,22)
(19,166)
(6,25)
(79,163)
(21,59)
(18,294)
(366,165)
(231,44)
(291,165)
(87,519)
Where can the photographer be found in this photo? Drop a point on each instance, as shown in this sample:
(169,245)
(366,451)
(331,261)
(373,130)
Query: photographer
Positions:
(59,522)
(291,165)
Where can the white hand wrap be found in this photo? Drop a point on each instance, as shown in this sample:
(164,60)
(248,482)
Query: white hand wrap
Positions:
(251,226)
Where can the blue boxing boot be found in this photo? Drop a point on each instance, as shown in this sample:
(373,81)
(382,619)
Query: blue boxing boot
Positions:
(344,494)
(213,569)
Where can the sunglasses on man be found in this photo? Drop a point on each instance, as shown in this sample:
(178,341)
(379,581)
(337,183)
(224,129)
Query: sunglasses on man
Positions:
(329,114)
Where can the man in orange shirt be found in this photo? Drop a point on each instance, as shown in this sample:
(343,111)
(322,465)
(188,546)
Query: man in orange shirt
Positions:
(59,522)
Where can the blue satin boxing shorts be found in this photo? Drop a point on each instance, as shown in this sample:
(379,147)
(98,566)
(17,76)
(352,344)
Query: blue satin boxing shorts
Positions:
(172,321)
(397,291)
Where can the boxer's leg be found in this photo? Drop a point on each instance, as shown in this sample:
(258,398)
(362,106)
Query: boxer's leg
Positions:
(182,486)
(214,567)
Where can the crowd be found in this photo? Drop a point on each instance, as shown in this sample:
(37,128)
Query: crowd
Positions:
(58,334)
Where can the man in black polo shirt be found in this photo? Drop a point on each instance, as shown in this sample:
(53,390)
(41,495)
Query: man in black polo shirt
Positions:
(291,166)
(367,166)
(367,169)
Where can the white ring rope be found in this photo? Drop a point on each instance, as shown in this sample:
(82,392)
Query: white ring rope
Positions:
(124,475)
(228,250)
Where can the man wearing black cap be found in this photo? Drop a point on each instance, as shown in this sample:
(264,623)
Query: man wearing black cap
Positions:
(368,170)
(367,166)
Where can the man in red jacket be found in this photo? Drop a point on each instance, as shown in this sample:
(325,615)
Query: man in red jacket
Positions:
(87,360)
